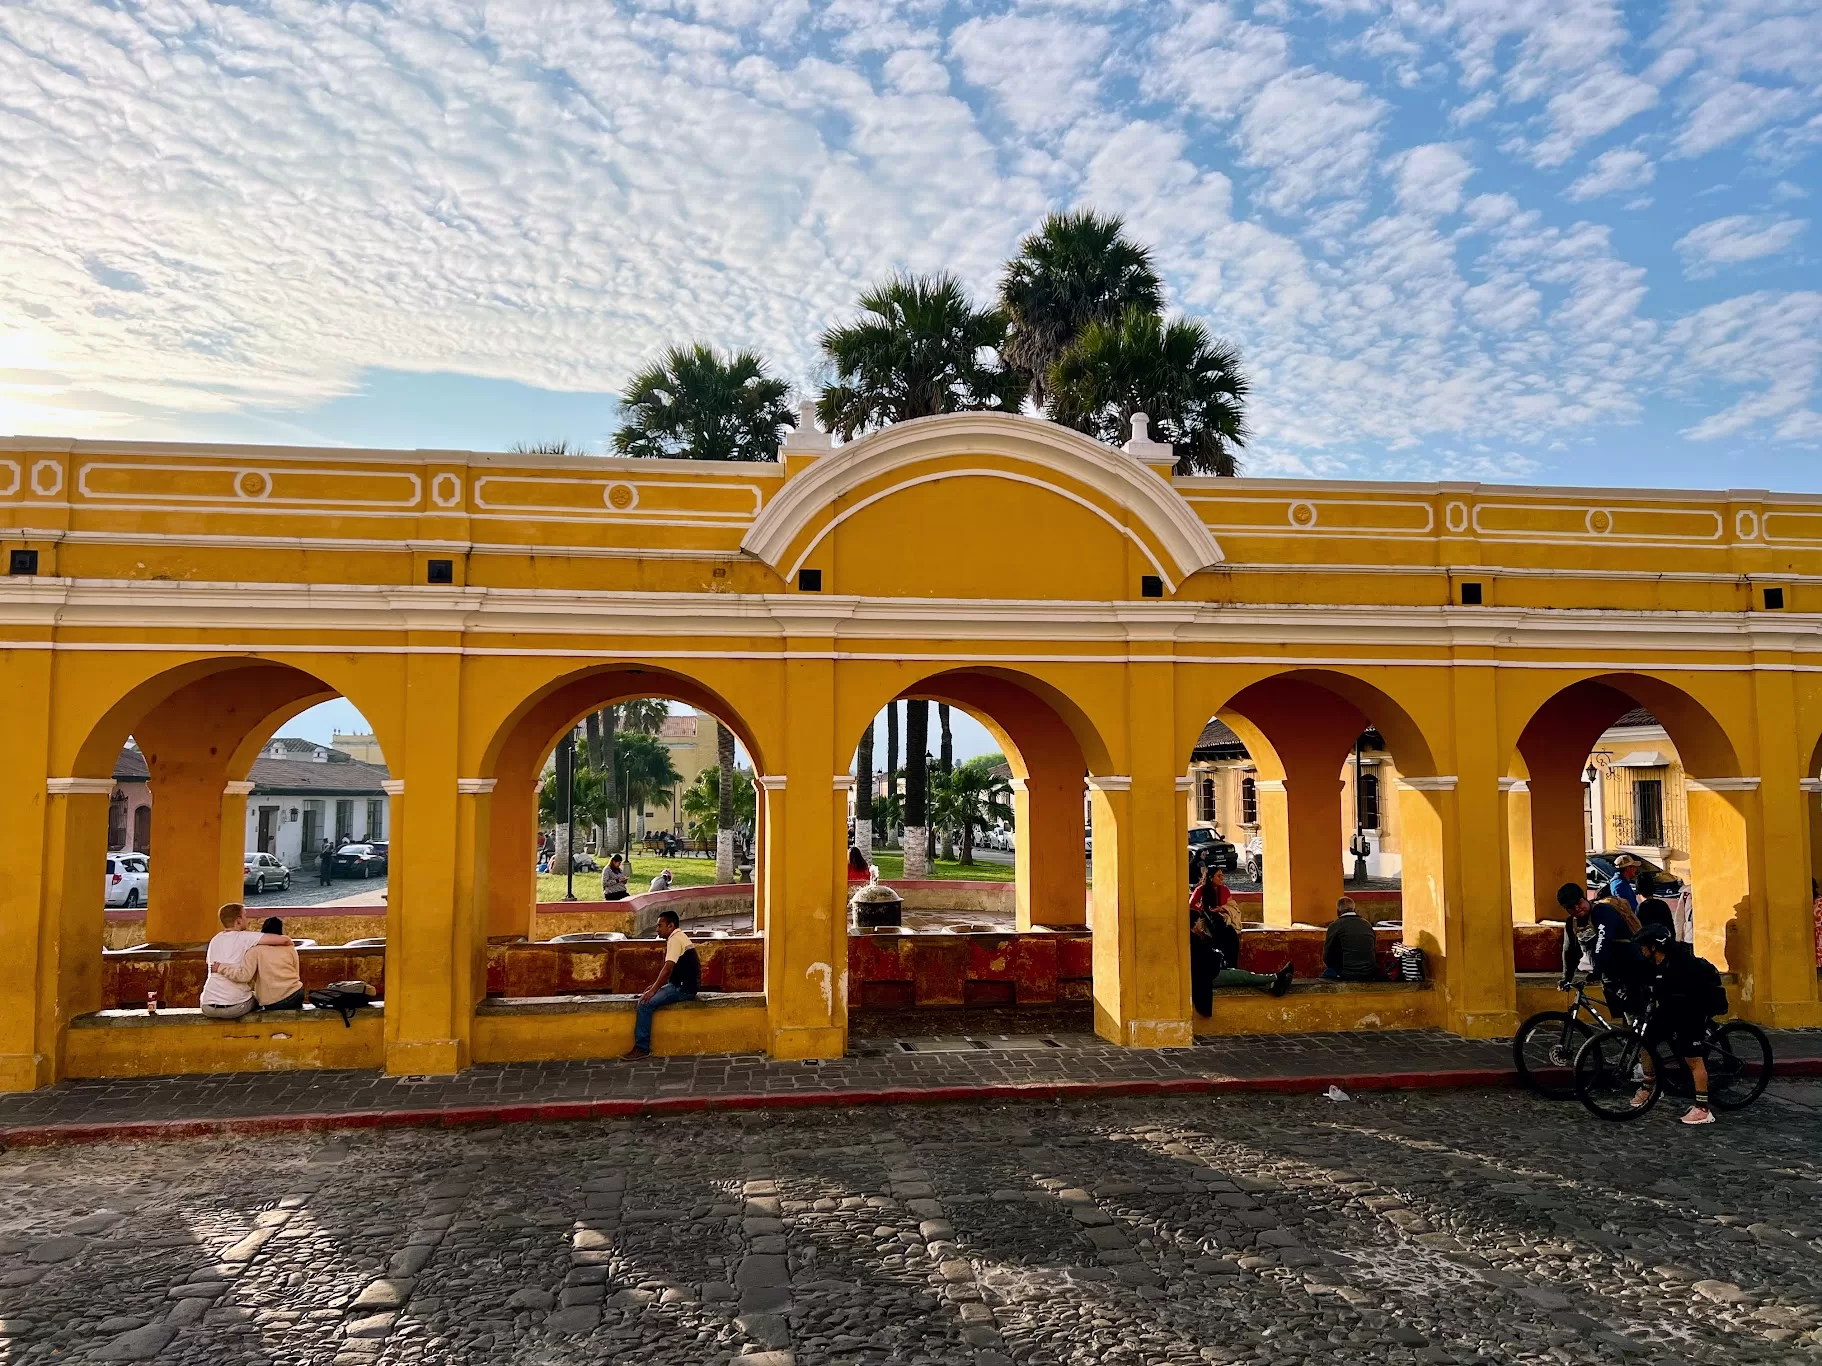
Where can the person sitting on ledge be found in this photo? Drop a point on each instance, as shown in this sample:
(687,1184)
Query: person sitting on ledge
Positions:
(1214,946)
(859,870)
(223,998)
(271,970)
(678,980)
(1350,950)
(661,883)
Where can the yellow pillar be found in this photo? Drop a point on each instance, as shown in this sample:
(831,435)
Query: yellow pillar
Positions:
(31,938)
(1812,808)
(187,808)
(1557,839)
(804,865)
(1050,819)
(1141,920)
(511,899)
(1719,879)
(1478,975)
(429,1014)
(474,849)
(231,850)
(1781,963)
(1312,845)
(1515,797)
(1273,806)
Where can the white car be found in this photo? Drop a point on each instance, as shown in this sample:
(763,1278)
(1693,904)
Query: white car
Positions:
(128,879)
(260,872)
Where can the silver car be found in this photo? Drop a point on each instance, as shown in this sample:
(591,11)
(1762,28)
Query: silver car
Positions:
(263,873)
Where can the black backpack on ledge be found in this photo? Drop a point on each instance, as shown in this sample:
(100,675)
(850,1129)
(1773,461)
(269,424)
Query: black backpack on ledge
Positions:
(344,998)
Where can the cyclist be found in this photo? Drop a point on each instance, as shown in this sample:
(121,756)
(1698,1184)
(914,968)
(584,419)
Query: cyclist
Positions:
(1600,934)
(1686,994)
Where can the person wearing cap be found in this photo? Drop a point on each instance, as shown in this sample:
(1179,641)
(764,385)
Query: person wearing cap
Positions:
(1686,994)
(1598,933)
(1625,884)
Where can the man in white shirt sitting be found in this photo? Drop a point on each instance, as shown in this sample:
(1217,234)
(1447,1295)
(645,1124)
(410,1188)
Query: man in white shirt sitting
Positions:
(222,997)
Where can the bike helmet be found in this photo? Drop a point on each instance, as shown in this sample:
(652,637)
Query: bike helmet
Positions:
(1653,936)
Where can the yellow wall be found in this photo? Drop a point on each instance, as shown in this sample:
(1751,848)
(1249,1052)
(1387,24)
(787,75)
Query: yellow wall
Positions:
(195,593)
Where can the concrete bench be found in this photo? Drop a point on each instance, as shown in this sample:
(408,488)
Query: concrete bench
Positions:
(136,1043)
(1315,1006)
(571,1028)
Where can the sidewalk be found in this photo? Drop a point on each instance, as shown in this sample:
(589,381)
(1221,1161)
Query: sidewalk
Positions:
(876,1071)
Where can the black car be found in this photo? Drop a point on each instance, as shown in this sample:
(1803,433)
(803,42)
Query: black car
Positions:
(1206,844)
(358,860)
(1601,872)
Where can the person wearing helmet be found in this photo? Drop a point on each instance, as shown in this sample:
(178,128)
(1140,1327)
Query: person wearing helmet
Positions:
(1686,994)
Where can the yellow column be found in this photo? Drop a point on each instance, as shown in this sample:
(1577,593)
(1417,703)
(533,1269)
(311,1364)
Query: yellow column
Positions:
(1720,880)
(190,851)
(1812,810)
(231,850)
(1141,920)
(1515,797)
(31,939)
(1478,976)
(1312,845)
(1780,943)
(429,949)
(474,849)
(1273,805)
(804,865)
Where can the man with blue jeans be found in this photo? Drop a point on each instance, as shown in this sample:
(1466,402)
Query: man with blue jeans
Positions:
(678,980)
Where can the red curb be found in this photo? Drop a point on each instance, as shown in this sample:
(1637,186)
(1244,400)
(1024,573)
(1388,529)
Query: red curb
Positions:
(465,1116)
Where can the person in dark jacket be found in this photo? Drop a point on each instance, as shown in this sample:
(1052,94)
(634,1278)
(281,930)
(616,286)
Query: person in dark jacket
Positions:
(1598,933)
(1350,951)
(325,865)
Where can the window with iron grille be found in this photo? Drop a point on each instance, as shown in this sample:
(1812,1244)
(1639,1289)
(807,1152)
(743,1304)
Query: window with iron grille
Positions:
(1249,802)
(1366,801)
(1208,800)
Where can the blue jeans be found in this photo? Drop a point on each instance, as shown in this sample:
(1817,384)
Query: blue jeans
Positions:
(642,1018)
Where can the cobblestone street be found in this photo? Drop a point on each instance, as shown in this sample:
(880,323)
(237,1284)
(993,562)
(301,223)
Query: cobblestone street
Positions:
(1396,1227)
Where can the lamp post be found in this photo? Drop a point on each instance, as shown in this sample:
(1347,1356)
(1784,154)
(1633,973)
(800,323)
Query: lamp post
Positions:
(1359,844)
(566,810)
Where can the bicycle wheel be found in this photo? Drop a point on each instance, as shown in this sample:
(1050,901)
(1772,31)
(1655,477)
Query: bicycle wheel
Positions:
(1604,1082)
(1739,1065)
(1544,1052)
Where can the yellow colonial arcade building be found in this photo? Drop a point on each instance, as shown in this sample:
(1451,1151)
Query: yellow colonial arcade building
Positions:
(1092,610)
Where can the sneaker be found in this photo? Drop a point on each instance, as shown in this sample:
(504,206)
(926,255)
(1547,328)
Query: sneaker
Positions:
(633,1055)
(1281,980)
(1701,1114)
(1642,1096)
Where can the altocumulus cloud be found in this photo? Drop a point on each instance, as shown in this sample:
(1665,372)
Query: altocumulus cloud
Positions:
(1412,217)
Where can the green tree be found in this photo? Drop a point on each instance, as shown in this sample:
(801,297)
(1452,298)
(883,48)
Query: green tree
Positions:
(919,348)
(590,799)
(702,802)
(642,715)
(1189,383)
(968,796)
(645,770)
(1076,269)
(696,403)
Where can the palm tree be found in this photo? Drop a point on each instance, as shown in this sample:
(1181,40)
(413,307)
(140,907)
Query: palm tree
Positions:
(917,773)
(645,769)
(1078,268)
(558,447)
(695,403)
(702,802)
(1189,383)
(863,789)
(971,795)
(892,769)
(918,349)
(724,811)
(945,761)
(587,792)
(643,715)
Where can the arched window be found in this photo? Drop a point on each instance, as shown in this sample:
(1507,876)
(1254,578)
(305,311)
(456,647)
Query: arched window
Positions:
(1249,802)
(1366,801)
(1208,801)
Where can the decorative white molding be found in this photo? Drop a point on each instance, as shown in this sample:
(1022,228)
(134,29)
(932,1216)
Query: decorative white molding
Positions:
(79,787)
(1054,453)
(844,782)
(393,787)
(1268,784)
(771,782)
(1514,785)
(239,789)
(1142,448)
(1186,784)
(1016,784)
(1810,784)
(806,438)
(1721,784)
(475,787)
(1111,782)
(1443,784)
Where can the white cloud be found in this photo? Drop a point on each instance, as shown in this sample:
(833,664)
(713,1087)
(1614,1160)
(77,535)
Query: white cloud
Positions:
(1768,343)
(1614,172)
(1043,71)
(1430,178)
(1729,241)
(1314,133)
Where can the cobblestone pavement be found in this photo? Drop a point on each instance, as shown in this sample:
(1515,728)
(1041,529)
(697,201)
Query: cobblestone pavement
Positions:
(1475,1226)
(873,1064)
(305,890)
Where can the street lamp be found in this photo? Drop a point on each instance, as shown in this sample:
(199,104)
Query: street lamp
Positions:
(1359,845)
(566,810)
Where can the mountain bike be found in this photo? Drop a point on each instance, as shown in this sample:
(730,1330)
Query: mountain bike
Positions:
(1609,1071)
(1545,1046)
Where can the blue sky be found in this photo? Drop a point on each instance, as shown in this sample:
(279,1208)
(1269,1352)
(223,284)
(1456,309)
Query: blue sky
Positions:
(1524,240)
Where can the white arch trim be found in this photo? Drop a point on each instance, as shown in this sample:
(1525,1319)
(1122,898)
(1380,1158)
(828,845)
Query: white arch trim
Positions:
(1186,542)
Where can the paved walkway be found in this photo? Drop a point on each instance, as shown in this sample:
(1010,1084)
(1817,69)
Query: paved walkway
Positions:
(877,1070)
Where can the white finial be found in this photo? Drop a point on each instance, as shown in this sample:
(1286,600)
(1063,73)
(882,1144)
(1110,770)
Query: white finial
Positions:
(1142,447)
(806,436)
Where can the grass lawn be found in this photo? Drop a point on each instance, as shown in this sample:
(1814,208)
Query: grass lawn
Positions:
(700,872)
